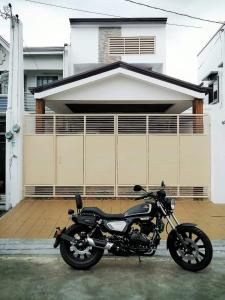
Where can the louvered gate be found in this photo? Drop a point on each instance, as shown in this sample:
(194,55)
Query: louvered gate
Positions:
(105,155)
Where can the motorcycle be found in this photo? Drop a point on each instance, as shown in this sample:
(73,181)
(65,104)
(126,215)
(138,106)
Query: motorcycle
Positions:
(136,232)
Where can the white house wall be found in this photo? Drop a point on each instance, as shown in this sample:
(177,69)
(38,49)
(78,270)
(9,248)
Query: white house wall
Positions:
(209,60)
(210,57)
(43,62)
(84,45)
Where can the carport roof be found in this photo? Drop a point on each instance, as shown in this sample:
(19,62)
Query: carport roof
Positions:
(130,67)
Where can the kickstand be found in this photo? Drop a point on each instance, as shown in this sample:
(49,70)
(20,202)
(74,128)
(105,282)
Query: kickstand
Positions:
(139,259)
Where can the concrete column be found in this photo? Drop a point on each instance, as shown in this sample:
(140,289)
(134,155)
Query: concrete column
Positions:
(14,115)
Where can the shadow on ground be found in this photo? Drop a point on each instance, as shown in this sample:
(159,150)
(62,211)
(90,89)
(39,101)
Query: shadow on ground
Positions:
(48,277)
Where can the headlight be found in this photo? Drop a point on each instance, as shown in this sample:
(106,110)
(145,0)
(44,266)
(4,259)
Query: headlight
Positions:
(170,203)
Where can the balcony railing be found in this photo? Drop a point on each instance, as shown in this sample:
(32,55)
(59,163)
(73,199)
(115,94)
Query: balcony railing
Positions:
(3,103)
(29,103)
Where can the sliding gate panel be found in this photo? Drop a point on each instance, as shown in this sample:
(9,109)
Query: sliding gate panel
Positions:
(39,160)
(132,160)
(194,160)
(163,159)
(105,155)
(69,160)
(100,160)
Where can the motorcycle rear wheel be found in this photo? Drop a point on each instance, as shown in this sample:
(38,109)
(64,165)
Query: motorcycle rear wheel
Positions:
(199,249)
(79,258)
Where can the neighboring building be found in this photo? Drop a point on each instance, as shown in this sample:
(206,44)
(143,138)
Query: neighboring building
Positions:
(42,65)
(119,118)
(211,74)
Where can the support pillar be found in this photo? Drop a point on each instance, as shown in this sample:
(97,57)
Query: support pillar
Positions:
(198,128)
(198,122)
(197,106)
(40,121)
(40,106)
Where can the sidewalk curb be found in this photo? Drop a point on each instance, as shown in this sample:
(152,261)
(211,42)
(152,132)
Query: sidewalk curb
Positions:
(45,247)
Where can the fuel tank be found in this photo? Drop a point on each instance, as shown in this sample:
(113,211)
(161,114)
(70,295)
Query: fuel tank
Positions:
(140,209)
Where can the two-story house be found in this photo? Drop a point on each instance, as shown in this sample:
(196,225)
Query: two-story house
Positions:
(42,65)
(211,60)
(118,118)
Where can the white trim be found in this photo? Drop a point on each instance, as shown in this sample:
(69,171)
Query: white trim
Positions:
(42,52)
(174,87)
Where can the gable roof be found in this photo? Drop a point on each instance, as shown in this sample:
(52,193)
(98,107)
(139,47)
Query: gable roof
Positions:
(79,21)
(130,67)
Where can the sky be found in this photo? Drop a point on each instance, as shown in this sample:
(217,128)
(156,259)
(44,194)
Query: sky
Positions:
(49,26)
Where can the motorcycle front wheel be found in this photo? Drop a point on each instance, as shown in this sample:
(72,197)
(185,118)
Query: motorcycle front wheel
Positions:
(198,252)
(79,256)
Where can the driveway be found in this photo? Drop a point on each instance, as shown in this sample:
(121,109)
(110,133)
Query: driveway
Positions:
(48,277)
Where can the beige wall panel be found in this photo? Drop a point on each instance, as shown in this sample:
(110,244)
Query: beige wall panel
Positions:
(38,160)
(100,160)
(70,154)
(163,159)
(132,159)
(194,160)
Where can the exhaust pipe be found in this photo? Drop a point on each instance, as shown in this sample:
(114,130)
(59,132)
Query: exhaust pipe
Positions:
(99,243)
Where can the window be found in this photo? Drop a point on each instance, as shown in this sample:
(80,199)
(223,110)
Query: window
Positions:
(214,95)
(43,80)
(131,45)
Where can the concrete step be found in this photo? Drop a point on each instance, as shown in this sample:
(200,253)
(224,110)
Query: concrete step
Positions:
(45,247)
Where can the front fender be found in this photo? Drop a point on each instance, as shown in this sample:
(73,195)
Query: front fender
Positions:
(173,233)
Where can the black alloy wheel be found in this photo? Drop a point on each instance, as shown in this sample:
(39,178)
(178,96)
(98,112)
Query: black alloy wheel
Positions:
(79,255)
(198,252)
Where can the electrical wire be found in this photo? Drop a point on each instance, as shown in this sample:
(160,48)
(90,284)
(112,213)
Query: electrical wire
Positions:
(174,12)
(99,13)
(76,9)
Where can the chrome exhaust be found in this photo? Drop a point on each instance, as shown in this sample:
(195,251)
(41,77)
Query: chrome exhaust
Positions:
(99,243)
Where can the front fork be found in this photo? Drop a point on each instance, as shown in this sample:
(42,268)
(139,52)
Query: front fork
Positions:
(172,225)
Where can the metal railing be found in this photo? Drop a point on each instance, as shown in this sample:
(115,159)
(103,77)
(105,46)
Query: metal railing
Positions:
(3,102)
(116,124)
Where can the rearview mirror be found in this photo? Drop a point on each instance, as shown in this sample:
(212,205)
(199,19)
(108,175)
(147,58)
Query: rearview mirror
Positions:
(138,188)
(163,184)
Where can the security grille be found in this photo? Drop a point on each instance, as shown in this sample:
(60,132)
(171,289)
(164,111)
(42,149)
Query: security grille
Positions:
(131,45)
(132,124)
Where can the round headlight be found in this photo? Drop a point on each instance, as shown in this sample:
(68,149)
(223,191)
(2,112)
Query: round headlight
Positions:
(172,204)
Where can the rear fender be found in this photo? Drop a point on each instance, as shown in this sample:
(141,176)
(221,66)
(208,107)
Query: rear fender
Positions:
(173,233)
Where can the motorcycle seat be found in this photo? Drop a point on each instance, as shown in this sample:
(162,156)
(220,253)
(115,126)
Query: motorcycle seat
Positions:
(98,212)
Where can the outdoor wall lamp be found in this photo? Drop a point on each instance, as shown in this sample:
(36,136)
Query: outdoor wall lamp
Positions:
(16,128)
(9,135)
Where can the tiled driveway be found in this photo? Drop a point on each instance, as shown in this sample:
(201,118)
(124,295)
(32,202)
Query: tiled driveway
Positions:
(37,219)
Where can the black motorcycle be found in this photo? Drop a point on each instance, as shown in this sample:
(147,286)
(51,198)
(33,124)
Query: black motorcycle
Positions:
(136,232)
